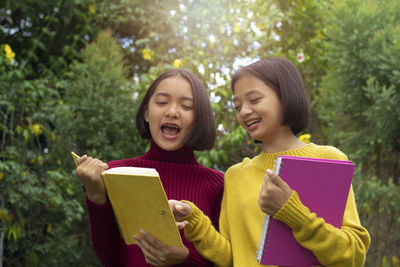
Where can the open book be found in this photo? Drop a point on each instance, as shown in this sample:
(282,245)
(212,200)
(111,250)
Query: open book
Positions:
(139,202)
(323,186)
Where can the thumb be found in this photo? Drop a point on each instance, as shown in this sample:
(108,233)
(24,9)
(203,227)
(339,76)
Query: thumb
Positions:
(183,208)
(179,209)
(278,181)
(104,166)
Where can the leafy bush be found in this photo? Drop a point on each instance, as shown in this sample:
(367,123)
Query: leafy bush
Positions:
(359,107)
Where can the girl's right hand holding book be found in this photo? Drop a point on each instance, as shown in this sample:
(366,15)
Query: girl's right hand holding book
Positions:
(89,172)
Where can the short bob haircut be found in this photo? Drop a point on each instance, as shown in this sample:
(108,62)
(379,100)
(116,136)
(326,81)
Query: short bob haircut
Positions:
(283,77)
(203,133)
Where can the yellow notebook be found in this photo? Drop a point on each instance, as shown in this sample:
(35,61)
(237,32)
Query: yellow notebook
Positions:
(139,202)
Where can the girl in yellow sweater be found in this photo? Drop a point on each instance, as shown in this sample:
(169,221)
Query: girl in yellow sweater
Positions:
(272,105)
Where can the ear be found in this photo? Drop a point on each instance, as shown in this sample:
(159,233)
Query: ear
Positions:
(146,115)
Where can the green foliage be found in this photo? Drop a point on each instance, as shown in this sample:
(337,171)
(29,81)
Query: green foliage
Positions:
(47,35)
(62,88)
(358,102)
(97,116)
(38,207)
(361,92)
(301,33)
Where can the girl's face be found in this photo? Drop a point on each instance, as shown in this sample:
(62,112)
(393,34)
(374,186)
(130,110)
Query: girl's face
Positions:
(259,109)
(170,113)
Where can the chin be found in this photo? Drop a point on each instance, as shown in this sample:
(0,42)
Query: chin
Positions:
(256,138)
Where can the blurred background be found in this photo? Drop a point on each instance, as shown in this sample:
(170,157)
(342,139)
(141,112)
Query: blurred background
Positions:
(73,72)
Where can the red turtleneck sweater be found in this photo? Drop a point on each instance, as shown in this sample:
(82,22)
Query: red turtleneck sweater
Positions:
(183,178)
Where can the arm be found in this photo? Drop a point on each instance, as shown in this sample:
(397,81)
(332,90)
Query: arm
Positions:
(211,244)
(106,240)
(109,246)
(346,246)
(89,172)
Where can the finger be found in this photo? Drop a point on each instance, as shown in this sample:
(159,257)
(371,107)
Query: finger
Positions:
(182,224)
(81,159)
(146,248)
(102,165)
(183,208)
(96,165)
(172,203)
(179,209)
(150,258)
(268,182)
(151,240)
(277,180)
(88,161)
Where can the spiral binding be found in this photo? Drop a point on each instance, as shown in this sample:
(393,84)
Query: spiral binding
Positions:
(265,232)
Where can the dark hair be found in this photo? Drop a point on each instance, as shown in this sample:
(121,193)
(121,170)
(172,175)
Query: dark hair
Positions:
(202,135)
(284,78)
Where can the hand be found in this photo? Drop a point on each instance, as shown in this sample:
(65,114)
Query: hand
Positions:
(274,193)
(179,209)
(89,172)
(158,254)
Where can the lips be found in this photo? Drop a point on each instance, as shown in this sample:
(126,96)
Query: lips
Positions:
(249,123)
(170,129)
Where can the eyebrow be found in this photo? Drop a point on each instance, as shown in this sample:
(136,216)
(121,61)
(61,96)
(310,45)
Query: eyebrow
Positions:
(167,95)
(246,94)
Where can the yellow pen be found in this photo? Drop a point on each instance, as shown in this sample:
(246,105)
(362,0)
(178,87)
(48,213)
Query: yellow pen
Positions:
(75,157)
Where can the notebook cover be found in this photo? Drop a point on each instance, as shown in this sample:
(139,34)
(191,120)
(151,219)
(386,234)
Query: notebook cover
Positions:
(323,186)
(139,202)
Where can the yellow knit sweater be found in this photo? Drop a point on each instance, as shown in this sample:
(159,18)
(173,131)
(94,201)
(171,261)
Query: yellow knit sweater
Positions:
(241,219)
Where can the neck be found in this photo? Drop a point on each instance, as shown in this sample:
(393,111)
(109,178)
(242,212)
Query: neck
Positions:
(283,141)
(182,155)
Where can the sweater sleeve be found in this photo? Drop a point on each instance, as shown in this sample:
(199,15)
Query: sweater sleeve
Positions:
(211,244)
(107,242)
(346,246)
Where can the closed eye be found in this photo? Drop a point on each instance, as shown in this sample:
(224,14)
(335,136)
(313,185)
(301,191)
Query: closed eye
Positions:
(187,107)
(255,100)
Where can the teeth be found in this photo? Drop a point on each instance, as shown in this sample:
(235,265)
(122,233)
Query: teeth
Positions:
(252,121)
(172,126)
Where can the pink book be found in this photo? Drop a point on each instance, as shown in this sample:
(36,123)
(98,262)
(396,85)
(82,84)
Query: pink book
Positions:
(323,186)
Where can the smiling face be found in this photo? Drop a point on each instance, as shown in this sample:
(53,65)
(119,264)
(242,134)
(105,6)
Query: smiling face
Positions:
(170,113)
(259,109)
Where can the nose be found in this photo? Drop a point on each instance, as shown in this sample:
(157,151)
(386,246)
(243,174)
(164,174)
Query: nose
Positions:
(172,112)
(245,110)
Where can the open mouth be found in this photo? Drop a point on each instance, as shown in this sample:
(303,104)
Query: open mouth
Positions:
(170,129)
(252,122)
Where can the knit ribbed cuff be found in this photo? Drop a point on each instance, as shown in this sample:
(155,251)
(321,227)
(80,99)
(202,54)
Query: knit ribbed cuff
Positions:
(195,219)
(293,213)
(194,216)
(95,205)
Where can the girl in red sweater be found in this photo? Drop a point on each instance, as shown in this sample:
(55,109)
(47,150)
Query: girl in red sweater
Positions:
(176,115)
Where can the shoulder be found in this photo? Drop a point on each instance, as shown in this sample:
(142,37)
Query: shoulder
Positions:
(329,152)
(238,167)
(212,173)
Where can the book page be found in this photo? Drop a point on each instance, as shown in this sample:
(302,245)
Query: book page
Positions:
(132,171)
